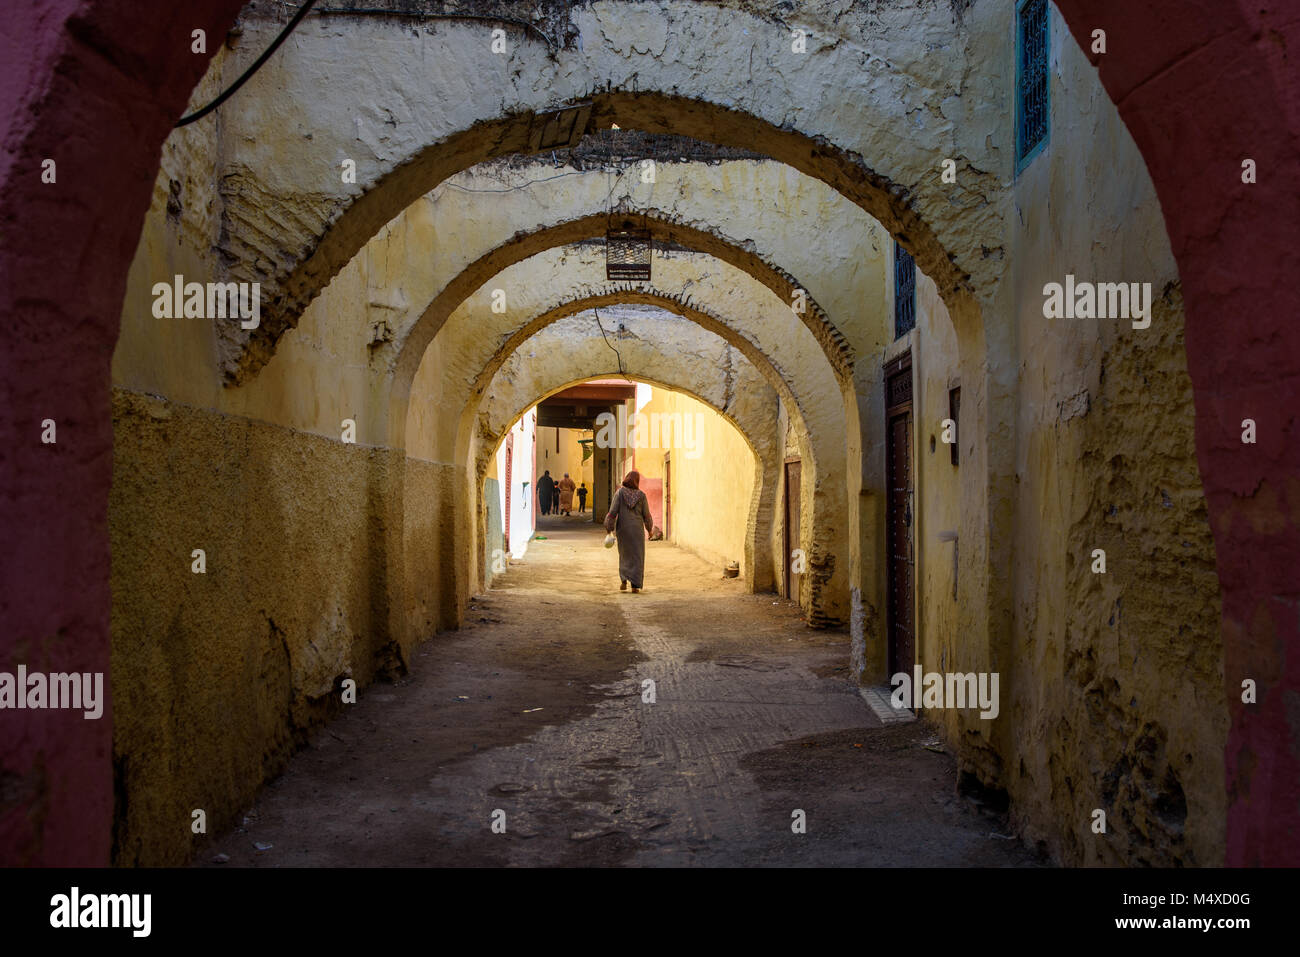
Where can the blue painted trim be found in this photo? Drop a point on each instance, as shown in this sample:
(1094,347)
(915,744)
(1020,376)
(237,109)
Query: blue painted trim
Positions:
(1023,161)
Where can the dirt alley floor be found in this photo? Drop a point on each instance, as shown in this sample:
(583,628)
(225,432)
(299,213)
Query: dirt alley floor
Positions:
(535,708)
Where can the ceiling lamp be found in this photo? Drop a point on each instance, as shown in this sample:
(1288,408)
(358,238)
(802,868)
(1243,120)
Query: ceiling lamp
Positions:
(627,252)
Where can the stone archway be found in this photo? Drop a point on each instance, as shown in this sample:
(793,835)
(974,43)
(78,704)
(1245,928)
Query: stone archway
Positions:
(686,363)
(727,303)
(411,341)
(64,254)
(412,144)
(62,591)
(987,484)
(886,167)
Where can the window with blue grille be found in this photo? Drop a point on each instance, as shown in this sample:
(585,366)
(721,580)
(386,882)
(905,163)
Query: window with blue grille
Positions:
(904,291)
(1033,105)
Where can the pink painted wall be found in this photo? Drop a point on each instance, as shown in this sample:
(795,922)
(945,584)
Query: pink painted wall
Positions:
(95,85)
(1202,85)
(654,493)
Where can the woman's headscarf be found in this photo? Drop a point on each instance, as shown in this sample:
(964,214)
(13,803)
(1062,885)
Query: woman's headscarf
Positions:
(633,480)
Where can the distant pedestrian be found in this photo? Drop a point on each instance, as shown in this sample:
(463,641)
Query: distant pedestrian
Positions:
(555,498)
(546,492)
(582,498)
(566,494)
(628,516)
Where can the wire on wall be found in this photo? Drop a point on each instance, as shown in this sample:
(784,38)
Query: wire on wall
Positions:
(601,326)
(247,74)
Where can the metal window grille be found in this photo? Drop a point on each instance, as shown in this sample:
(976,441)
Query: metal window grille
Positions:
(627,254)
(904,292)
(1032,86)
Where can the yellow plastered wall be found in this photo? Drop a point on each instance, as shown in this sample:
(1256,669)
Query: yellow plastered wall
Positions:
(938,487)
(429,420)
(712,476)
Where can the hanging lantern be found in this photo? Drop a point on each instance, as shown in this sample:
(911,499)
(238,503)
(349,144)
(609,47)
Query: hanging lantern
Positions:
(627,252)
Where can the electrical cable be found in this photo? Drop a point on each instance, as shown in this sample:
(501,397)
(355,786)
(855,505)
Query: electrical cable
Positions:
(601,326)
(247,74)
(325,12)
(511,189)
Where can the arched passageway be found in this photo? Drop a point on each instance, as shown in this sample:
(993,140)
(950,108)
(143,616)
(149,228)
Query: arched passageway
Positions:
(747,317)
(63,586)
(742,398)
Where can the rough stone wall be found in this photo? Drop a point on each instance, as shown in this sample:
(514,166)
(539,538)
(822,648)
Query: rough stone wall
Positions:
(428,535)
(1200,93)
(1112,697)
(432,414)
(1129,677)
(216,676)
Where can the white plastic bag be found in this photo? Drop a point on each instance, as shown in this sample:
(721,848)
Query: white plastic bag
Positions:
(610,540)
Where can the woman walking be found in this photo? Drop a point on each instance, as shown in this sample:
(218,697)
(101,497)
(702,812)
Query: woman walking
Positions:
(629,513)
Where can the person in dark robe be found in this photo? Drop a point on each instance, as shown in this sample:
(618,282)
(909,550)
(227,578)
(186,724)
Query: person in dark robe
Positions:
(630,514)
(546,491)
(555,498)
(582,498)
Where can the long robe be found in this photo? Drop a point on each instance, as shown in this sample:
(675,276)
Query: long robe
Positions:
(633,514)
(566,487)
(545,493)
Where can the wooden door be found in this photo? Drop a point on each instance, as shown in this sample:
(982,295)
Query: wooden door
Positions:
(900,517)
(792,500)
